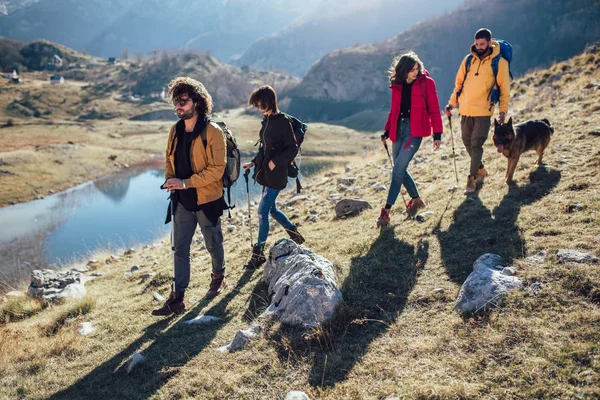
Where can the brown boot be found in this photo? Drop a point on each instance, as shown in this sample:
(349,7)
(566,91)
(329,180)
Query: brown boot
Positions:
(217,284)
(295,235)
(258,257)
(173,305)
(471,184)
(481,175)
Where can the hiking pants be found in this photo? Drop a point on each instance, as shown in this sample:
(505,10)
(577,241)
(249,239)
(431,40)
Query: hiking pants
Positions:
(268,206)
(402,156)
(185,225)
(475,132)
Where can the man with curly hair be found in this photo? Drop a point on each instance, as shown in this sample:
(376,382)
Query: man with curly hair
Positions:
(195,163)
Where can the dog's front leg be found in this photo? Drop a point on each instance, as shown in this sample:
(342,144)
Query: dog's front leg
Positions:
(510,170)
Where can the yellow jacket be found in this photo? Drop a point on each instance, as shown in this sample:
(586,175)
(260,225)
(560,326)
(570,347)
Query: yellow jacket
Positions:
(208,165)
(474,100)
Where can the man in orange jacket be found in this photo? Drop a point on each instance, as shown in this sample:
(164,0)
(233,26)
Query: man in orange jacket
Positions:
(472,95)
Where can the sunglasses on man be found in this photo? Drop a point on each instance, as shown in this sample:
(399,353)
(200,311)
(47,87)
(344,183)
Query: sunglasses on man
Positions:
(181,102)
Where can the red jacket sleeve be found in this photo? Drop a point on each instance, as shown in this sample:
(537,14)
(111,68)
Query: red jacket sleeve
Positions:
(433,107)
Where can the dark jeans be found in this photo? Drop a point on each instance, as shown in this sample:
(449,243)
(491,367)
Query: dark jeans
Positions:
(185,226)
(402,156)
(475,132)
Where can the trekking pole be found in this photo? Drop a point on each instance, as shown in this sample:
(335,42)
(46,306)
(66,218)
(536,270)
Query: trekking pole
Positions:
(453,152)
(392,164)
(249,212)
(172,209)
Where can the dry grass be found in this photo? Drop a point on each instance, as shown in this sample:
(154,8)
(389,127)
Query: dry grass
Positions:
(396,333)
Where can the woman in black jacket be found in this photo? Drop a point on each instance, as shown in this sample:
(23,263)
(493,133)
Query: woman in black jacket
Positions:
(277,150)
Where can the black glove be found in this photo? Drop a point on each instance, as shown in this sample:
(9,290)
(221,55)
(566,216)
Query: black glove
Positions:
(386,135)
(437,136)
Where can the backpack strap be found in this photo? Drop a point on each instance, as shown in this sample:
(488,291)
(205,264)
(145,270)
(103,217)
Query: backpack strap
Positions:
(467,68)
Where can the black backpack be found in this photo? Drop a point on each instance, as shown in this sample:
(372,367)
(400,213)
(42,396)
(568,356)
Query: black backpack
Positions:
(232,169)
(299,129)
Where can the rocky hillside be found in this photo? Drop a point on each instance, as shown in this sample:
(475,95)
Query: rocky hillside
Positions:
(355,79)
(396,334)
(298,47)
(97,89)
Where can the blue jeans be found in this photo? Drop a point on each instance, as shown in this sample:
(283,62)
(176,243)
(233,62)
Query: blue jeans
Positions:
(402,156)
(268,206)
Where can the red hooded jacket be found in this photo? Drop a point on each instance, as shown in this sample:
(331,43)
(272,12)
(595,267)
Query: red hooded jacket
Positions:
(425,115)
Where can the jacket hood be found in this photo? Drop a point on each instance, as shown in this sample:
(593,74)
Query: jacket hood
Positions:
(495,49)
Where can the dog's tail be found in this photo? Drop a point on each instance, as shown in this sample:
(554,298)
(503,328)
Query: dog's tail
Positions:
(547,122)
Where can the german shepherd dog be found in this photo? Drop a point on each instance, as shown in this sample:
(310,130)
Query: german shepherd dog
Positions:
(529,135)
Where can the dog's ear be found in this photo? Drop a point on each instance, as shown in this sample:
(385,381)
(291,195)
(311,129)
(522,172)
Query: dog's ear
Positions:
(510,122)
(496,123)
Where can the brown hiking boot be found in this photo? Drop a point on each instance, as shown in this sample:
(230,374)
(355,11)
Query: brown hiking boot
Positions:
(295,235)
(471,184)
(481,175)
(173,305)
(258,257)
(413,206)
(217,284)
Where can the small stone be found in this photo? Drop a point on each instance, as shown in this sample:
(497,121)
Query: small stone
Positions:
(312,218)
(573,208)
(157,296)
(534,288)
(112,157)
(350,207)
(347,168)
(15,293)
(346,180)
(128,252)
(134,269)
(444,157)
(241,339)
(297,395)
(136,359)
(97,274)
(85,328)
(145,277)
(452,188)
(573,256)
(81,268)
(231,228)
(509,271)
(92,262)
(201,319)
(538,258)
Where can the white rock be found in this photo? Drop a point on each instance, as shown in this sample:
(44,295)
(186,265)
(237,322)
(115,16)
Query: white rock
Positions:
(538,258)
(486,285)
(157,296)
(136,358)
(241,339)
(294,200)
(201,319)
(15,293)
(86,328)
(573,256)
(302,285)
(346,180)
(297,395)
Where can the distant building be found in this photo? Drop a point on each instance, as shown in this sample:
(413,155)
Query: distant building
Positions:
(10,74)
(58,79)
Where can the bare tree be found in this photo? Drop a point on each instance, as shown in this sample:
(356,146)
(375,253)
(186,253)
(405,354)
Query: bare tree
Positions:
(125,54)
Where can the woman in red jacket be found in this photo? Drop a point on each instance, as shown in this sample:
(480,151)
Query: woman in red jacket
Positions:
(414,114)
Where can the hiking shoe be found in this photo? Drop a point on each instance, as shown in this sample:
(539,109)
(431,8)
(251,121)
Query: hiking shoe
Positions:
(258,257)
(173,305)
(217,284)
(471,184)
(481,175)
(413,206)
(384,217)
(295,235)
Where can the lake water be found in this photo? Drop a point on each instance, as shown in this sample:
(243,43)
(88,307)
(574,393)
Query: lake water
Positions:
(112,213)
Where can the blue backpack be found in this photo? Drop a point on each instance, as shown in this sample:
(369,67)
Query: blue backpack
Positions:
(506,52)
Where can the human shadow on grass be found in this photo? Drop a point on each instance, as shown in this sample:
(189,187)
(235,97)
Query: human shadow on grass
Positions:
(171,347)
(375,293)
(476,230)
